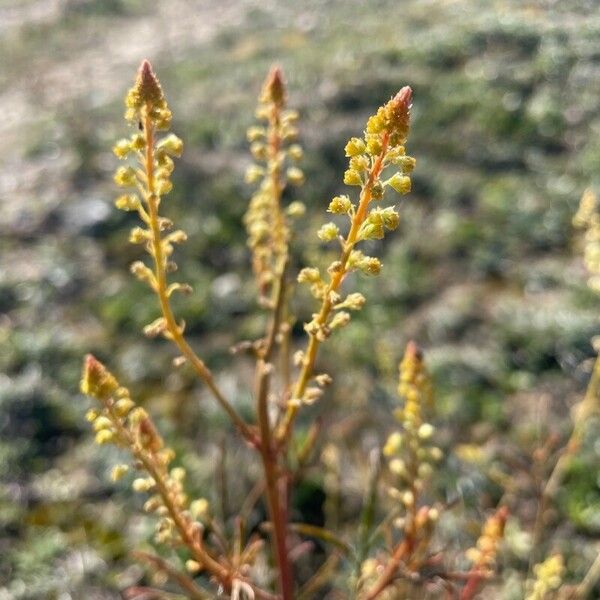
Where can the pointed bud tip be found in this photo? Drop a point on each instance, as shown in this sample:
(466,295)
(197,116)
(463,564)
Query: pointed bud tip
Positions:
(276,75)
(404,96)
(503,513)
(91,362)
(413,350)
(274,86)
(146,73)
(147,83)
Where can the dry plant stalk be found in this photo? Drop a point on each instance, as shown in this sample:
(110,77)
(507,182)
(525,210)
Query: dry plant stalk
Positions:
(378,165)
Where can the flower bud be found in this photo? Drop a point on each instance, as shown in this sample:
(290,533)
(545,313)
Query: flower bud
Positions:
(407,163)
(258,150)
(123,406)
(104,436)
(125,177)
(97,381)
(254,173)
(309,275)
(295,176)
(340,319)
(340,205)
(295,152)
(296,209)
(398,467)
(393,444)
(426,431)
(118,471)
(374,146)
(401,183)
(127,202)
(255,133)
(171,144)
(354,147)
(143,484)
(102,423)
(328,232)
(354,301)
(192,566)
(122,148)
(352,177)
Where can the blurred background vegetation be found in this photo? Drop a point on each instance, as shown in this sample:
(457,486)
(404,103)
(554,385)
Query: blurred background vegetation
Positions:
(484,272)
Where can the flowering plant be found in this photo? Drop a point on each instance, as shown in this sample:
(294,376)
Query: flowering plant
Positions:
(397,557)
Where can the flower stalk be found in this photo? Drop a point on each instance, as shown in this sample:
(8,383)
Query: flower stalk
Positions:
(382,145)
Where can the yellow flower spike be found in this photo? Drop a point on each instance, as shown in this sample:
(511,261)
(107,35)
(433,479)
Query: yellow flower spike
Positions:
(548,577)
(266,218)
(484,554)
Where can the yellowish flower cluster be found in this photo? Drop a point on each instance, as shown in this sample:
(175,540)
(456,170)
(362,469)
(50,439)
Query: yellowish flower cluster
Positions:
(275,169)
(483,554)
(548,577)
(180,522)
(587,218)
(151,178)
(410,452)
(121,422)
(381,149)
